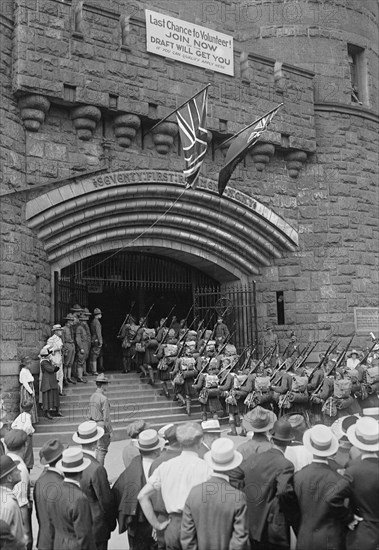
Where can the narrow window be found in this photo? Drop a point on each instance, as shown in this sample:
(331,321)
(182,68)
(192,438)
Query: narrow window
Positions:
(358,74)
(280,307)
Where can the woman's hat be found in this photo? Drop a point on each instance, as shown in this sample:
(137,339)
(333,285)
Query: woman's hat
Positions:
(364,434)
(259,420)
(282,431)
(320,441)
(73,460)
(149,440)
(222,457)
(56,327)
(7,465)
(45,351)
(88,432)
(102,378)
(51,451)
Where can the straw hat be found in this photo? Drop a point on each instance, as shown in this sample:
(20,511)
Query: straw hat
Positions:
(73,460)
(88,432)
(222,457)
(340,426)
(371,411)
(149,440)
(56,327)
(320,441)
(259,420)
(364,434)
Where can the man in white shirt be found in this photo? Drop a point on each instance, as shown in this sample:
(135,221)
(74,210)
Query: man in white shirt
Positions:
(175,478)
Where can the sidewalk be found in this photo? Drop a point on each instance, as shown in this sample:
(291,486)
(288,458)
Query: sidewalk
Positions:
(114,466)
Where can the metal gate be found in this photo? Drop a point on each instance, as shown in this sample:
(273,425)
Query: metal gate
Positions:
(68,292)
(237,305)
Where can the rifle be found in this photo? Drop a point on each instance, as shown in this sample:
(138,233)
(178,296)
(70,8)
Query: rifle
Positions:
(332,346)
(248,359)
(286,348)
(217,354)
(363,361)
(337,364)
(304,355)
(125,320)
(140,326)
(230,367)
(165,336)
(343,353)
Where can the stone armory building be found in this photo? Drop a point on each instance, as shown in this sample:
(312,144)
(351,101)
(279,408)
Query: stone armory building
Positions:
(82,182)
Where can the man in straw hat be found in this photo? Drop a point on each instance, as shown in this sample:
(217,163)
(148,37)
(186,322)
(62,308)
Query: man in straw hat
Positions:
(70,513)
(271,474)
(216,503)
(99,411)
(360,484)
(257,423)
(46,489)
(125,490)
(9,510)
(318,525)
(95,485)
(175,478)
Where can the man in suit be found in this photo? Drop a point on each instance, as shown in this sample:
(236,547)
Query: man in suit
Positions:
(71,514)
(360,484)
(259,422)
(318,525)
(216,503)
(269,491)
(95,485)
(46,489)
(10,514)
(131,517)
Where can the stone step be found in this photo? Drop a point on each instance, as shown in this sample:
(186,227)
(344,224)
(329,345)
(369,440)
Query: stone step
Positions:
(156,418)
(84,393)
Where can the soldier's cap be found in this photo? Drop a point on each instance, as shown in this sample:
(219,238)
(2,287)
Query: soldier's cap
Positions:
(96,311)
(15,439)
(77,308)
(69,317)
(7,465)
(86,311)
(83,317)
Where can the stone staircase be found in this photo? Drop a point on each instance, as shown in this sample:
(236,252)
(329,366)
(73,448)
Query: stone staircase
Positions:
(131,399)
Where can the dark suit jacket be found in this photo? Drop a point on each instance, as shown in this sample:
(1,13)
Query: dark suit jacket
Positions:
(49,378)
(319,525)
(71,517)
(269,491)
(95,486)
(125,492)
(214,517)
(360,484)
(47,488)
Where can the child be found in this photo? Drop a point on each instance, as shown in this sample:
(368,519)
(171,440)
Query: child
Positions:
(24,422)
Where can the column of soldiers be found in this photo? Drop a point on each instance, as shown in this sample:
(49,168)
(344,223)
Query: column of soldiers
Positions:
(204,364)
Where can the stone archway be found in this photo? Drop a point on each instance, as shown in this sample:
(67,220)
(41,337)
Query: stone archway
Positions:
(230,236)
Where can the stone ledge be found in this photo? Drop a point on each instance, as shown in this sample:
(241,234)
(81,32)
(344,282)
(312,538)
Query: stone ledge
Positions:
(346,109)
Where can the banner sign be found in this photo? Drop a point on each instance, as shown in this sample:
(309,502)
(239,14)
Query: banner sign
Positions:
(189,43)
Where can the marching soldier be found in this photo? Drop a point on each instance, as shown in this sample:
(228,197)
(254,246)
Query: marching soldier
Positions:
(220,332)
(167,358)
(183,376)
(236,388)
(127,336)
(208,390)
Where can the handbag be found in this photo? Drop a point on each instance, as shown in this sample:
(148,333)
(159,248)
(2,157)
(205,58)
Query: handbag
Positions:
(203,396)
(27,399)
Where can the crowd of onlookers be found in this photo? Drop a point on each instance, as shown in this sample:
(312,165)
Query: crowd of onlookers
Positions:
(186,487)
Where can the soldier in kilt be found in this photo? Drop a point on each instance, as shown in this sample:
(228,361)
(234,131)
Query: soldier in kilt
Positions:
(183,375)
(209,393)
(235,388)
(167,355)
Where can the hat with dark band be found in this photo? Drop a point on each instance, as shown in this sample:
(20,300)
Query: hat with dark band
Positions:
(73,460)
(320,441)
(88,432)
(149,440)
(282,431)
(7,465)
(102,378)
(259,420)
(364,434)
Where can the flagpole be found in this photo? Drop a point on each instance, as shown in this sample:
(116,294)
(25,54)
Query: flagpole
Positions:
(248,126)
(177,109)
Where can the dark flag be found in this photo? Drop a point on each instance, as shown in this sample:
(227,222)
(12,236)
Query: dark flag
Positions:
(241,144)
(193,134)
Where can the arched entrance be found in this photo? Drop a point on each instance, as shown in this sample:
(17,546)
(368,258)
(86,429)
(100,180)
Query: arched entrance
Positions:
(149,212)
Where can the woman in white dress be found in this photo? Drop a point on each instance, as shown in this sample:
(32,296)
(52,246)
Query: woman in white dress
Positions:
(27,392)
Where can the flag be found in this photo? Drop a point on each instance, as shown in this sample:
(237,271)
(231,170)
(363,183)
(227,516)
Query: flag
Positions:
(193,134)
(240,146)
